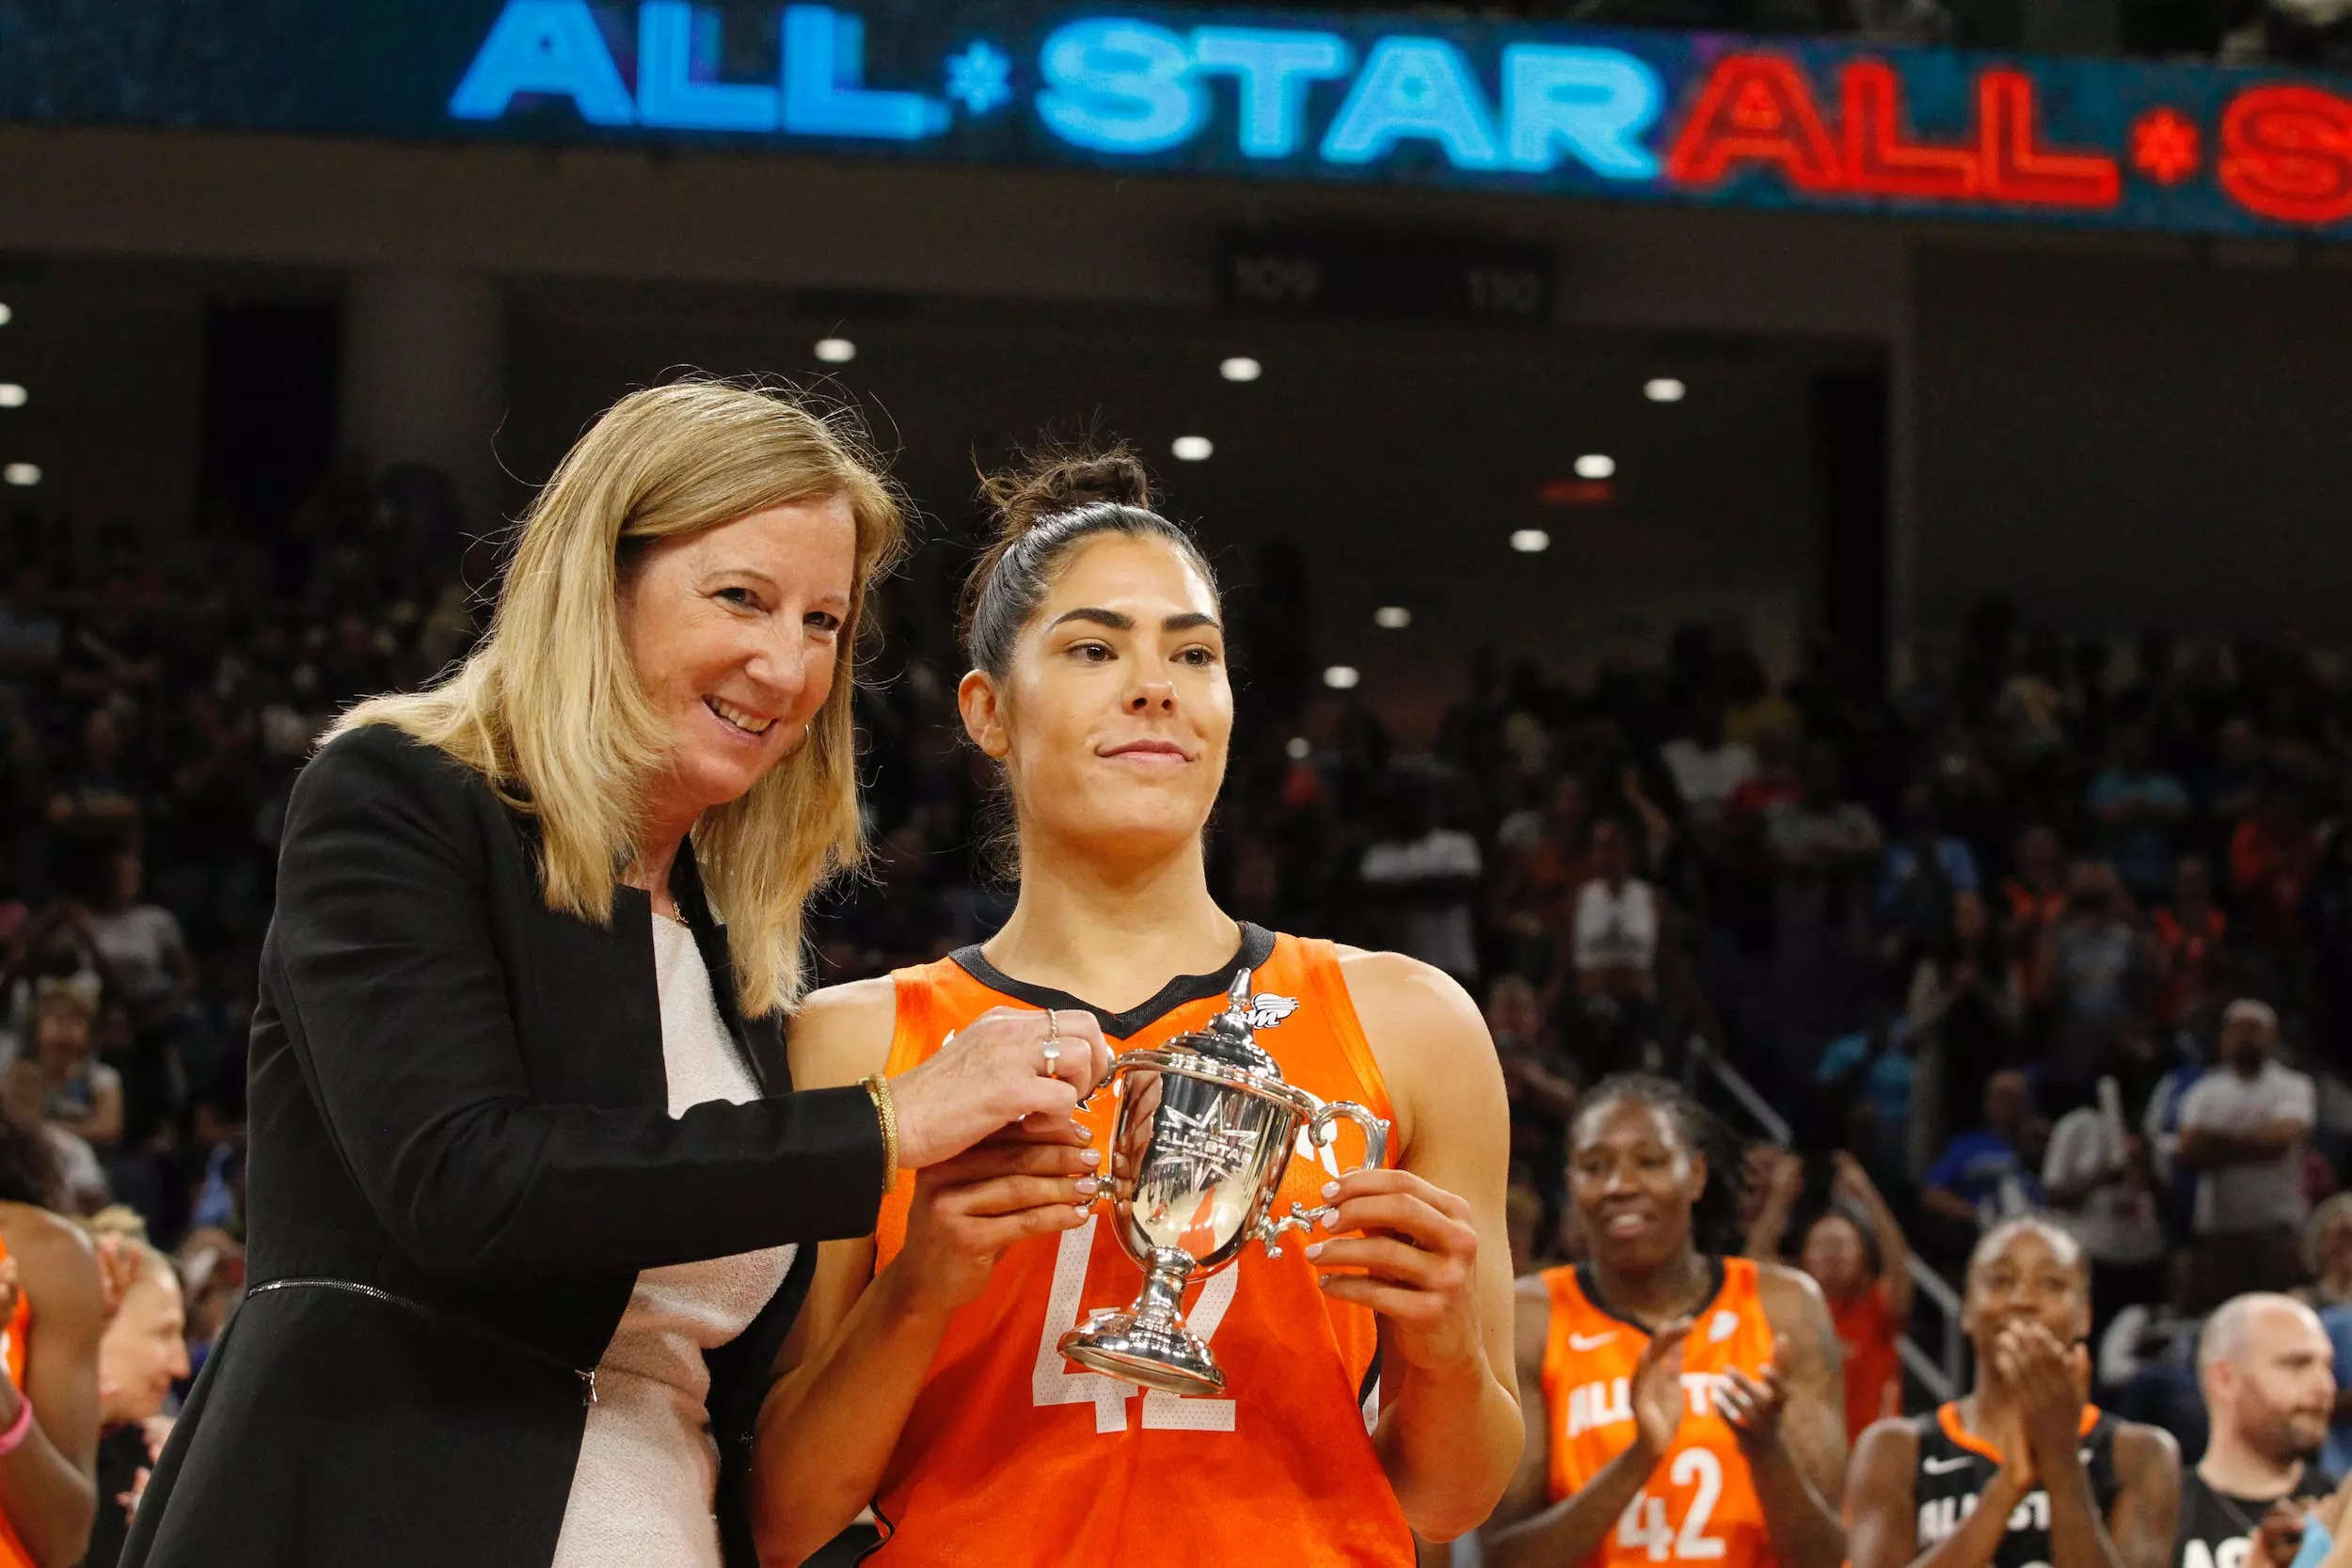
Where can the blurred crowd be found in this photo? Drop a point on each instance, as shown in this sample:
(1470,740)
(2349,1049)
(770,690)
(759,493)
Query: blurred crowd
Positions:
(2040,924)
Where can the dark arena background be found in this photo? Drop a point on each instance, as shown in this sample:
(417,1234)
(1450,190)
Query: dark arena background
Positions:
(1868,474)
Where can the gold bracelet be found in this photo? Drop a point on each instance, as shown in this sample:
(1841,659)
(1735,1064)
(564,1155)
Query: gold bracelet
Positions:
(877,1088)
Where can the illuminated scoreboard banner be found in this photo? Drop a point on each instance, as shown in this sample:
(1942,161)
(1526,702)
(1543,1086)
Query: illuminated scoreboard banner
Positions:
(1525,109)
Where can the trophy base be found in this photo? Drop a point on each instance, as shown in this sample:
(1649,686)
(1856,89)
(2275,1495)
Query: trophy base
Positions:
(1135,1348)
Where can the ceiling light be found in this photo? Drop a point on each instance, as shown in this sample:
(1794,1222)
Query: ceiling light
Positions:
(1299,748)
(11,395)
(1594,465)
(1341,677)
(1192,449)
(835,351)
(7,315)
(1241,368)
(1392,617)
(22,474)
(1663,389)
(1530,541)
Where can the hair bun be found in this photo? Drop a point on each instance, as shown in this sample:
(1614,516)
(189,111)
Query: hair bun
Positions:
(1064,478)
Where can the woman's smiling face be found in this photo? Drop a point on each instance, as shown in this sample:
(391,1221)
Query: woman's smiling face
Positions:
(734,633)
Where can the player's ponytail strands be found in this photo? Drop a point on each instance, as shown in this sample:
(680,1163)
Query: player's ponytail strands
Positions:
(1716,1223)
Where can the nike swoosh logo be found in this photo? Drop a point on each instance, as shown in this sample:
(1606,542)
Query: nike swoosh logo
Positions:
(1586,1342)
(1945,1467)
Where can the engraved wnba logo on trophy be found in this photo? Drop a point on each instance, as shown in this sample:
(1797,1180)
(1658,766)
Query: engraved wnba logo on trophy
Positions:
(1206,1129)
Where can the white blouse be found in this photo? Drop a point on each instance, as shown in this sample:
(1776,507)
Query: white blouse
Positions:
(648,1466)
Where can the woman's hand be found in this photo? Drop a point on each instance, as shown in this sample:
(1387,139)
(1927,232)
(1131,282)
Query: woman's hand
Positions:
(1752,1406)
(1659,1402)
(2051,1381)
(1416,1264)
(991,1073)
(1031,1180)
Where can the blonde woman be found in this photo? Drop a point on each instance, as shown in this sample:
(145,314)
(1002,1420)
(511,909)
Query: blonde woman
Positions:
(532,1203)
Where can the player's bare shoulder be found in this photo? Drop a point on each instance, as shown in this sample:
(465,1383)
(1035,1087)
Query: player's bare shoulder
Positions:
(1427,1035)
(842,1033)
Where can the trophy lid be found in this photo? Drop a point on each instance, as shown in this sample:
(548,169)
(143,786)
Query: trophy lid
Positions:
(1229,1038)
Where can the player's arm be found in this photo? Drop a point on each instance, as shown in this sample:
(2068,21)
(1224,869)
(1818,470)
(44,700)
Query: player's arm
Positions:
(1798,1461)
(1882,1506)
(1570,1531)
(49,1483)
(1524,1496)
(816,1457)
(2142,1520)
(851,1367)
(1429,1250)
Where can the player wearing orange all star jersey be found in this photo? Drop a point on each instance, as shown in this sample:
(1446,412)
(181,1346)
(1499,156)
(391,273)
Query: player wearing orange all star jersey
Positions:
(923,1375)
(1681,1406)
(1095,1457)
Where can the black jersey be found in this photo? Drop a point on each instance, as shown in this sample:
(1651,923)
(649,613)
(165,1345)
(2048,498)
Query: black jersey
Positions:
(2217,1528)
(1955,1467)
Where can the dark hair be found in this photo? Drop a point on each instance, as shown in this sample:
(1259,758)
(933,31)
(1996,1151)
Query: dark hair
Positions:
(1716,1226)
(30,1171)
(1839,1209)
(1044,506)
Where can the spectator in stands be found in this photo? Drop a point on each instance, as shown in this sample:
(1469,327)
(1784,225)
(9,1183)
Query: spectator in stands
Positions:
(2147,1359)
(2243,1129)
(2328,1259)
(1982,1177)
(2273,855)
(1707,766)
(2189,934)
(1963,1014)
(1616,925)
(31,635)
(2096,1176)
(1922,872)
(102,794)
(142,1355)
(2269,1388)
(2230,785)
(1541,1079)
(2137,808)
(1423,877)
(63,1082)
(2097,973)
(1855,1251)
(2033,897)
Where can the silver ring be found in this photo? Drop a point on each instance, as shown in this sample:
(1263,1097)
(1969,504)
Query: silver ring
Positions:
(1052,1051)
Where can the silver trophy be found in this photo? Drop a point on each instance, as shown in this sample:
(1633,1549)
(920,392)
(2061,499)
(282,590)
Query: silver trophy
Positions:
(1205,1129)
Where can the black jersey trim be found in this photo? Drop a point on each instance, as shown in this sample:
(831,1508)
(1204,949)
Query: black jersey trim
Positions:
(1256,946)
(1588,1281)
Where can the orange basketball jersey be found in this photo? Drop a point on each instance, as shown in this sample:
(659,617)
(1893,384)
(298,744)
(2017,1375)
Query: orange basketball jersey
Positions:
(1700,1505)
(1012,1454)
(14,1343)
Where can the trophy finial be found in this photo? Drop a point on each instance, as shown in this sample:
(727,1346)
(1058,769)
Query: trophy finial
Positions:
(1235,1020)
(1231,1037)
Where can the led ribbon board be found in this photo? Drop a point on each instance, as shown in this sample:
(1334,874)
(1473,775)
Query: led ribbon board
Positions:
(1530,110)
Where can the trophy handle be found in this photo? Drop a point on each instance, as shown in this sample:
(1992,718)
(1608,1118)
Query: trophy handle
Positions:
(1319,1130)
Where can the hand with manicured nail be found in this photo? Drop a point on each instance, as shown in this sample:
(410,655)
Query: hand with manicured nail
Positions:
(1413,1259)
(1035,1179)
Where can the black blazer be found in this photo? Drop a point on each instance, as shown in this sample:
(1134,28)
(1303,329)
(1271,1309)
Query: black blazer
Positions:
(459,1100)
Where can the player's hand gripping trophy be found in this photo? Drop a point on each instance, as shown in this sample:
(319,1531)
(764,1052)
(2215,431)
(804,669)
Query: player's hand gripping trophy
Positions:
(1204,1131)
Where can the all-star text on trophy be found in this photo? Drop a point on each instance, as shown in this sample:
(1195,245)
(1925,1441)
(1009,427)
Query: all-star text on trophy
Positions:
(1204,1131)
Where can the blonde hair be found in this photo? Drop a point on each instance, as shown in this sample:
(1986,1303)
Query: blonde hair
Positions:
(549,711)
(76,994)
(120,1223)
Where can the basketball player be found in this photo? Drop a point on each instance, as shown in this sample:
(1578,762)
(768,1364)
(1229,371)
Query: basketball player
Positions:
(1681,1406)
(2024,1472)
(2268,1372)
(1369,1390)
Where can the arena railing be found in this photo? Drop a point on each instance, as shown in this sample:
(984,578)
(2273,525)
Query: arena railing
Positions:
(1940,1378)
